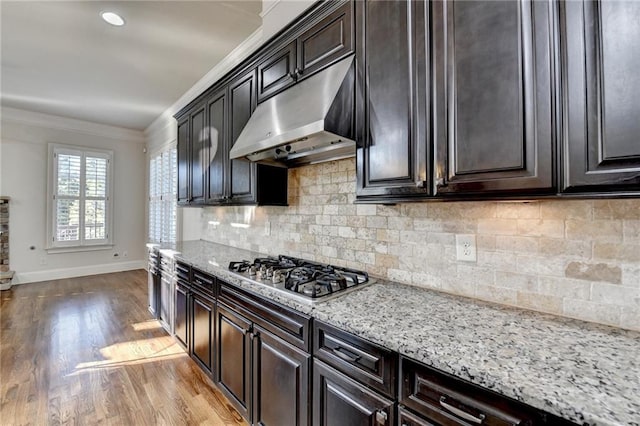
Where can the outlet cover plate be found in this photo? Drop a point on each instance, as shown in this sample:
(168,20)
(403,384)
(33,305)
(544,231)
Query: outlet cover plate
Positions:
(466,247)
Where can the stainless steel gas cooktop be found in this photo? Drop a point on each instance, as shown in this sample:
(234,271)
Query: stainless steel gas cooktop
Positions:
(304,280)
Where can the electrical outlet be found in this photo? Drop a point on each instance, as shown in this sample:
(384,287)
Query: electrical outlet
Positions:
(267,228)
(466,247)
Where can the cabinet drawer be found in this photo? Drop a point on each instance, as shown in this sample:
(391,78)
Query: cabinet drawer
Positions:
(366,362)
(166,264)
(407,418)
(284,322)
(183,271)
(444,399)
(204,282)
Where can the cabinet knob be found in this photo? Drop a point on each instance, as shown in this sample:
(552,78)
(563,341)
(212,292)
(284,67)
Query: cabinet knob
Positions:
(381,417)
(298,72)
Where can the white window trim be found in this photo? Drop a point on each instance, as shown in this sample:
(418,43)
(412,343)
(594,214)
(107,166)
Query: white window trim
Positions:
(164,150)
(54,246)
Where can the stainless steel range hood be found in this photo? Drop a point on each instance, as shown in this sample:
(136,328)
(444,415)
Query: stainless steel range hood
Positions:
(308,123)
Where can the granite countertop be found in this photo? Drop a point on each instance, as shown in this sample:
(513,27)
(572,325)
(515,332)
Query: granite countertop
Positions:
(583,372)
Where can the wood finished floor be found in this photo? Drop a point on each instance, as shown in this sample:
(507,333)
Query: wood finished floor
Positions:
(83,351)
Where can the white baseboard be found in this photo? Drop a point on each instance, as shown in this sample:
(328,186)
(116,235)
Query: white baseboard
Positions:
(80,271)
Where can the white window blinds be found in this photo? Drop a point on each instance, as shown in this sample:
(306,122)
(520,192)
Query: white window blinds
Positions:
(163,180)
(80,197)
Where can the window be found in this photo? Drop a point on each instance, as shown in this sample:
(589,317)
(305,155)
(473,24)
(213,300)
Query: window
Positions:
(163,181)
(79,196)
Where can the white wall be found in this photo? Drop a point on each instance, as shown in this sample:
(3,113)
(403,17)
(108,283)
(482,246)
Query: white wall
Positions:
(23,177)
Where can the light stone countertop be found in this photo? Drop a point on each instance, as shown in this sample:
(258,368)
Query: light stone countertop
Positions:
(583,372)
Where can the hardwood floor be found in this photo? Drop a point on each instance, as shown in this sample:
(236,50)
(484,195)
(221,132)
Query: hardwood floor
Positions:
(84,351)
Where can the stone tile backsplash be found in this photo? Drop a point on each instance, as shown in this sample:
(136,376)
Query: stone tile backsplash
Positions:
(577,258)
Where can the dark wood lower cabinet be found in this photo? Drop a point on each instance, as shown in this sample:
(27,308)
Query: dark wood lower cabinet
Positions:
(165,302)
(258,354)
(442,399)
(341,401)
(153,287)
(181,327)
(203,327)
(281,381)
(234,358)
(406,418)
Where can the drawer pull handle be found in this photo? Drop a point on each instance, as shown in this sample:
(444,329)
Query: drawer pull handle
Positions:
(347,357)
(458,412)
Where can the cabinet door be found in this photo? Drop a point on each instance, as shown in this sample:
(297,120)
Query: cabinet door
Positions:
(392,157)
(339,401)
(602,85)
(242,100)
(281,382)
(328,41)
(234,358)
(202,326)
(182,308)
(165,304)
(493,96)
(217,110)
(153,284)
(183,161)
(198,155)
(277,72)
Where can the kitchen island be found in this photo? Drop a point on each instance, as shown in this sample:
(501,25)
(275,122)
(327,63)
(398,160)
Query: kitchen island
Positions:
(582,372)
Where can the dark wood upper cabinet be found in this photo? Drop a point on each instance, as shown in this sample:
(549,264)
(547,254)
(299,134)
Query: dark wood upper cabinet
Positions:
(601,59)
(493,97)
(192,152)
(277,72)
(218,145)
(391,83)
(328,41)
(183,161)
(321,44)
(242,103)
(198,155)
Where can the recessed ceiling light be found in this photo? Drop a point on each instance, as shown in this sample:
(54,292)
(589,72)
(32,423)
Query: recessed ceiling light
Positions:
(112,18)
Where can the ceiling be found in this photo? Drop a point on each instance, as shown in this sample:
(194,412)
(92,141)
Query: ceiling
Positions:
(61,58)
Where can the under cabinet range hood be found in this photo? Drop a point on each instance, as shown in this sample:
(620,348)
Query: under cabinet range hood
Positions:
(309,123)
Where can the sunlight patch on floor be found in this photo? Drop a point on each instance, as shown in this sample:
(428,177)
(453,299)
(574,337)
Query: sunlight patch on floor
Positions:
(133,352)
(146,325)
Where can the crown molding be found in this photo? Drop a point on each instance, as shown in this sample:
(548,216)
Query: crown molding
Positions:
(56,122)
(237,55)
(269,8)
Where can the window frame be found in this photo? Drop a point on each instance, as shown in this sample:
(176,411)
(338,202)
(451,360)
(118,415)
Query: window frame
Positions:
(158,197)
(82,244)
